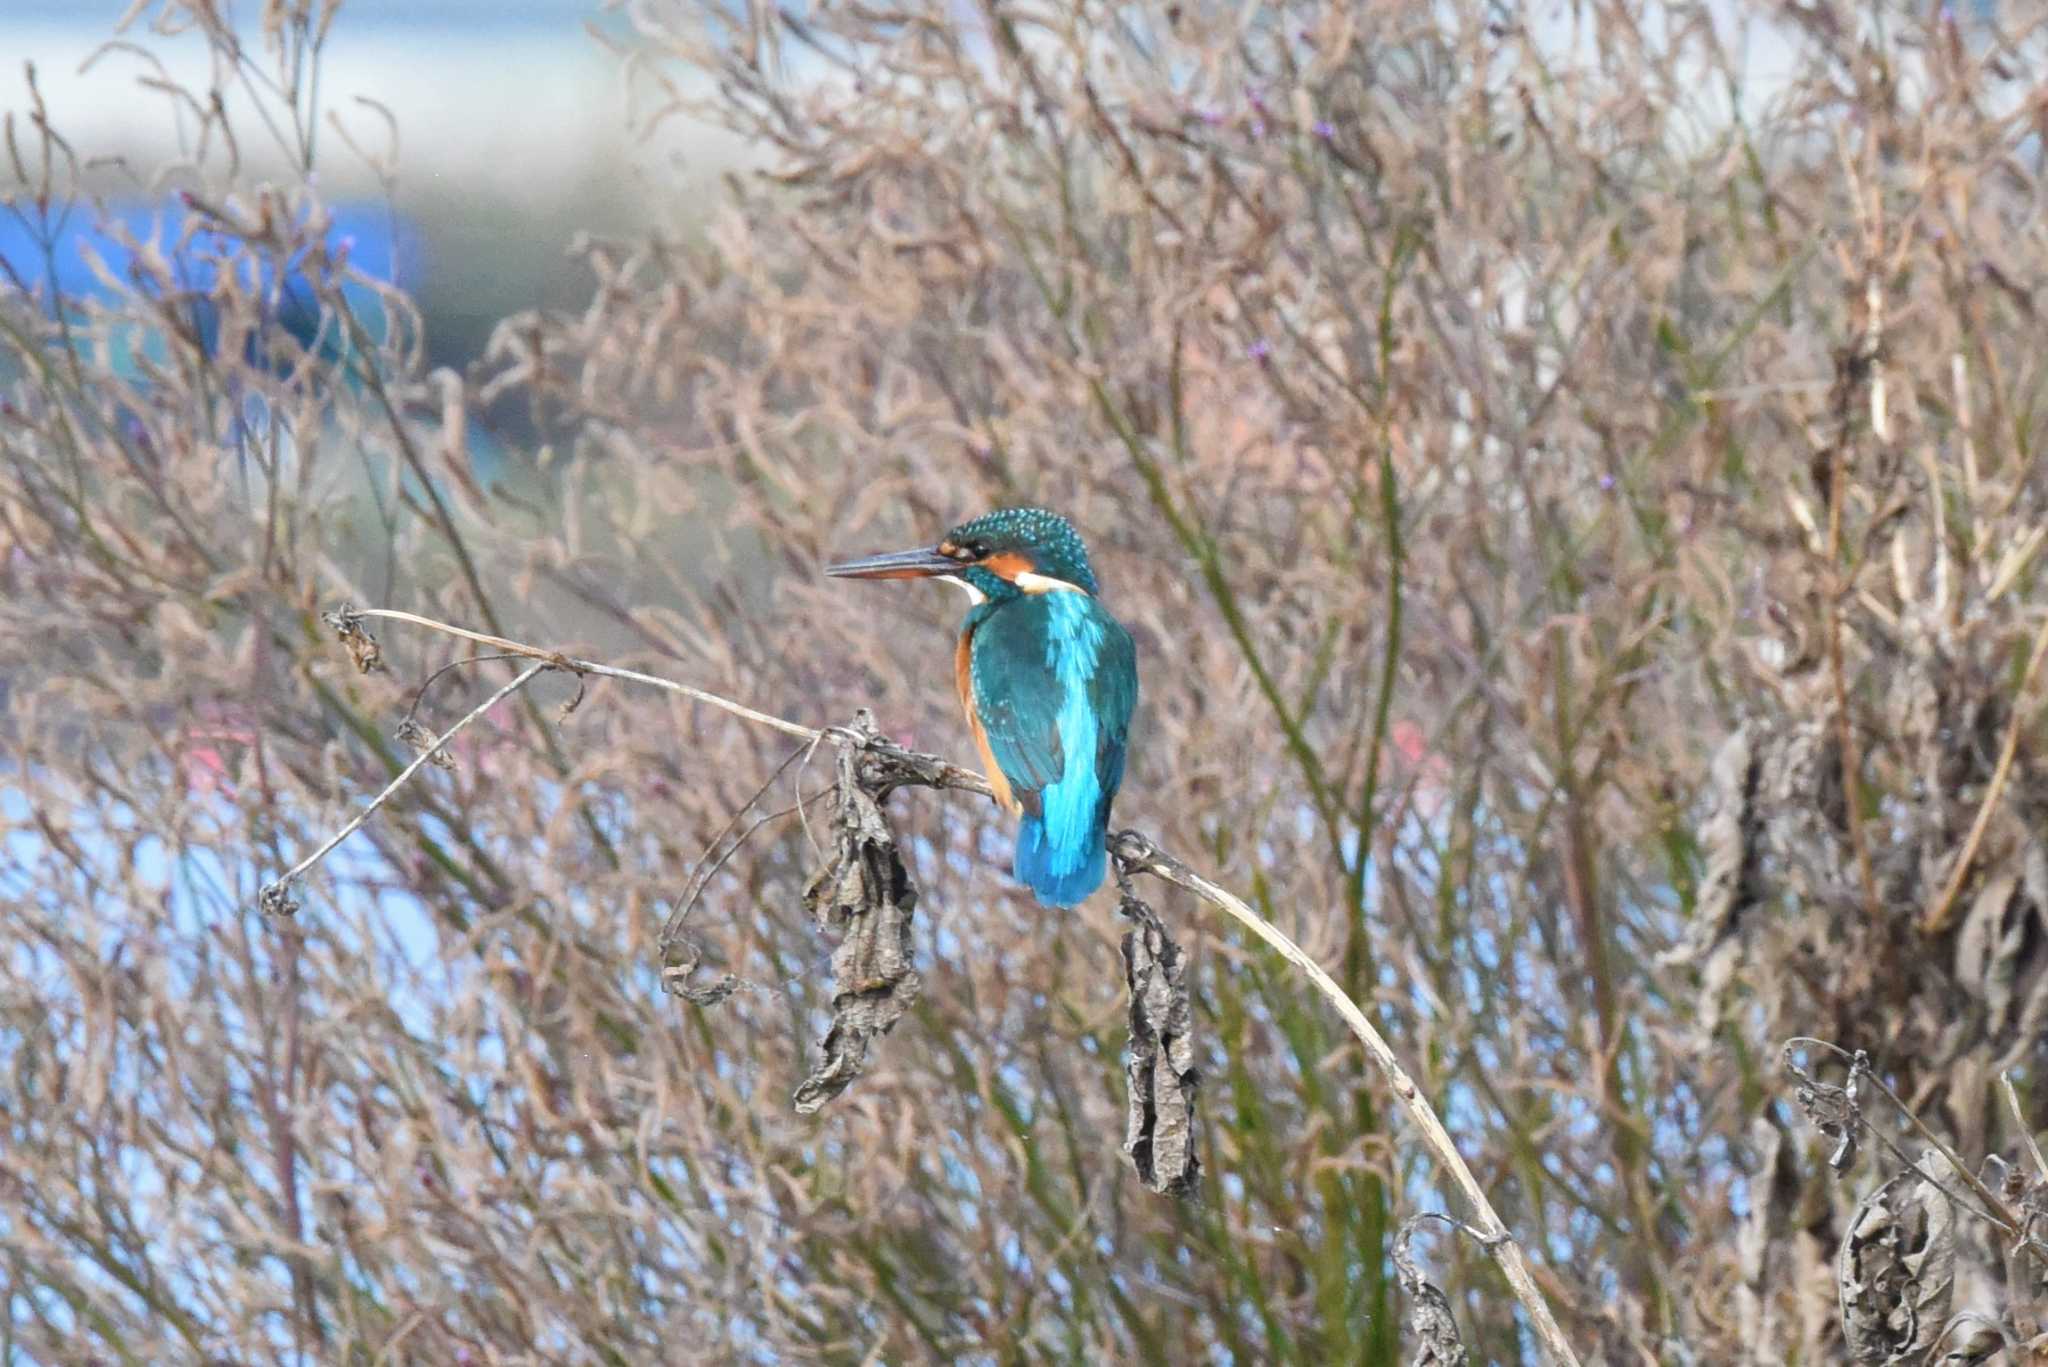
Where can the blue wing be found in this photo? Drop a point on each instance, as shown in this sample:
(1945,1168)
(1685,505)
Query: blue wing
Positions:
(1016,697)
(1055,680)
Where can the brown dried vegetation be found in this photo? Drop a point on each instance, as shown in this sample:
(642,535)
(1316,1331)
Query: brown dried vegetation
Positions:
(1572,477)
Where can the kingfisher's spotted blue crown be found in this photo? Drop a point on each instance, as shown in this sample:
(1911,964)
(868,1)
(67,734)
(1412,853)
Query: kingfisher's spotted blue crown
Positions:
(1048,539)
(1047,678)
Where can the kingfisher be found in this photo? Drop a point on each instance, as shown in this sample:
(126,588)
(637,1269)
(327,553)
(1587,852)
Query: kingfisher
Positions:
(1047,678)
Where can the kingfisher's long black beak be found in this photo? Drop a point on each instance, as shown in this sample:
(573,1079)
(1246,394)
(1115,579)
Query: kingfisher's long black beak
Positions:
(918,564)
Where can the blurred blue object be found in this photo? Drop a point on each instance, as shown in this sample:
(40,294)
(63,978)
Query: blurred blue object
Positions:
(82,259)
(55,264)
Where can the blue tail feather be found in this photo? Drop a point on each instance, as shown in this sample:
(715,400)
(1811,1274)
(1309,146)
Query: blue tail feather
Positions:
(1062,876)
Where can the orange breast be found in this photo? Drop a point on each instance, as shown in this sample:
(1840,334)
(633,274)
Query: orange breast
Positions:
(963,680)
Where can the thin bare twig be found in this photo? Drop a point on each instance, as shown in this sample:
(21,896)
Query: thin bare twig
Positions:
(560,661)
(277,896)
(712,860)
(420,694)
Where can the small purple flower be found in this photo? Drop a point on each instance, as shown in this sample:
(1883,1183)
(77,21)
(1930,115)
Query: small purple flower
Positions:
(1606,483)
(1948,15)
(1324,129)
(1212,117)
(1260,351)
(1258,128)
(1255,99)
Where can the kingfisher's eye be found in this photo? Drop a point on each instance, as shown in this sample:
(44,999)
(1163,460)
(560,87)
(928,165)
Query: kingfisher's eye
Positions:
(975,550)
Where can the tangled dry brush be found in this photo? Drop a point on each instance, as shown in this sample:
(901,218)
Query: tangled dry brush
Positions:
(1574,473)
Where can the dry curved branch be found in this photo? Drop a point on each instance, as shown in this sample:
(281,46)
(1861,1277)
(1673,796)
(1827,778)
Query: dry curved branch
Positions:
(889,765)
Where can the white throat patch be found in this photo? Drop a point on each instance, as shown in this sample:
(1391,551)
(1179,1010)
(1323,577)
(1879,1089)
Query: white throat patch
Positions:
(1045,583)
(975,597)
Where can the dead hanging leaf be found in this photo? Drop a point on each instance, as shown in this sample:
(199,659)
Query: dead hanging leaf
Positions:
(865,893)
(420,741)
(362,646)
(1896,1268)
(1430,1321)
(1159,1129)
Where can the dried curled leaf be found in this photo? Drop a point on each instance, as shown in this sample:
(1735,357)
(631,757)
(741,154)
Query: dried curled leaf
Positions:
(362,646)
(420,741)
(1430,1321)
(680,960)
(1836,1112)
(865,893)
(1159,1129)
(1896,1267)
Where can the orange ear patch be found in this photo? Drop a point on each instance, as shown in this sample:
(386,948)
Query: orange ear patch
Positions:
(1008,565)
